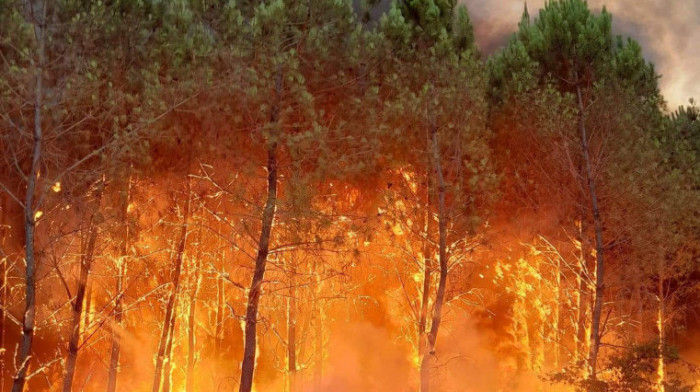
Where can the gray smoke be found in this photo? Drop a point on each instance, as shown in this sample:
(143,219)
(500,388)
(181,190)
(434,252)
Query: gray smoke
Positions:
(669,32)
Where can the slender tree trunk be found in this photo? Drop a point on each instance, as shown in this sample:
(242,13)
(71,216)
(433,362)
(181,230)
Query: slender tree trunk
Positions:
(442,282)
(557,314)
(318,339)
(220,295)
(165,337)
(579,315)
(582,301)
(4,230)
(168,358)
(538,341)
(598,227)
(114,360)
(639,299)
(268,215)
(292,336)
(86,259)
(248,365)
(191,335)
(423,345)
(87,316)
(303,334)
(117,327)
(661,324)
(28,318)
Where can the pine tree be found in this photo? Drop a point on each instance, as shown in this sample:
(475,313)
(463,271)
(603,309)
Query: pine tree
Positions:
(569,54)
(438,139)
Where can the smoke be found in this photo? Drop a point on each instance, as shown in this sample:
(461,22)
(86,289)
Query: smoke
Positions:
(366,357)
(363,356)
(668,31)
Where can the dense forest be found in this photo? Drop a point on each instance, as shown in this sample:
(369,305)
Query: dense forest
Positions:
(337,195)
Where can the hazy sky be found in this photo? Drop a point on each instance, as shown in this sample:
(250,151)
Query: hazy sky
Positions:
(669,31)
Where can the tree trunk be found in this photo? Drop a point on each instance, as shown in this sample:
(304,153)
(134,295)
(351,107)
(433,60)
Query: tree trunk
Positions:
(639,299)
(191,336)
(442,282)
(168,358)
(121,276)
(268,215)
(537,342)
(87,316)
(248,365)
(581,348)
(318,339)
(28,318)
(4,232)
(303,338)
(165,336)
(86,259)
(423,346)
(220,306)
(557,314)
(661,324)
(292,337)
(598,226)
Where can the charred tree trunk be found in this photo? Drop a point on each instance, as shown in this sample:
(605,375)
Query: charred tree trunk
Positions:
(268,215)
(28,318)
(442,248)
(248,365)
(86,259)
(165,337)
(598,228)
(121,276)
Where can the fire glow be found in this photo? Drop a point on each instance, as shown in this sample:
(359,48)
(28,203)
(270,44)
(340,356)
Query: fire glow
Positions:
(308,197)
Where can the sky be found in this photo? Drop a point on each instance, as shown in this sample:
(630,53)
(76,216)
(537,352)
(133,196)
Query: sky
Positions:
(668,30)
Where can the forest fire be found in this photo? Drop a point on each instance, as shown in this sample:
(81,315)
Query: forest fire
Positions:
(305,196)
